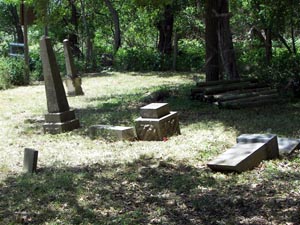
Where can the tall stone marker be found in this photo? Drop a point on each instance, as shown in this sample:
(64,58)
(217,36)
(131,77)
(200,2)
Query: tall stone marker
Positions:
(156,122)
(73,81)
(30,160)
(59,118)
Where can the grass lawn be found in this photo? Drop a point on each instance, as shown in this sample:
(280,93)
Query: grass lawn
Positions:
(84,181)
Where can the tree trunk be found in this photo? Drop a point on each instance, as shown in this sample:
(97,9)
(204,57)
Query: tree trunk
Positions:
(16,21)
(175,51)
(116,22)
(225,41)
(165,28)
(268,46)
(293,37)
(73,37)
(211,42)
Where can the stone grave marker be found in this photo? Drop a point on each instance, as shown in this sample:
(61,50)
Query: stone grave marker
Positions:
(273,151)
(244,156)
(30,160)
(59,118)
(115,133)
(156,122)
(240,157)
(285,145)
(73,81)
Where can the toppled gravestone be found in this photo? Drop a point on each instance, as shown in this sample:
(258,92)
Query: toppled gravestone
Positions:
(285,145)
(113,133)
(246,156)
(156,122)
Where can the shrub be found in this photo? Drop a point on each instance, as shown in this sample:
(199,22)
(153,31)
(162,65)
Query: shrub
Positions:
(11,72)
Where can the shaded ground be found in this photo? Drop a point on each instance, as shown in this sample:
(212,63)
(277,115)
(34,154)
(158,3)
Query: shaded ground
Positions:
(84,181)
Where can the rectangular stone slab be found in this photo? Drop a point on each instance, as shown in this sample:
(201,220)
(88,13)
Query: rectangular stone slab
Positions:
(30,160)
(150,129)
(288,145)
(155,110)
(240,157)
(112,132)
(272,150)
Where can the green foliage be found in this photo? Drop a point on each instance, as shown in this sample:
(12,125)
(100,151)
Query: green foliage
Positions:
(11,72)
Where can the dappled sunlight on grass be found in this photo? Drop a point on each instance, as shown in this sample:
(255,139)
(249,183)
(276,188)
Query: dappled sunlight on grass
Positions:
(160,182)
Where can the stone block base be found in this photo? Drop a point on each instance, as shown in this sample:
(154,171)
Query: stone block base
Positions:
(150,129)
(54,127)
(60,117)
(271,139)
(115,133)
(73,86)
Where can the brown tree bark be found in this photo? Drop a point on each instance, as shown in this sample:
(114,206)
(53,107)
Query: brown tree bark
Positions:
(165,28)
(211,41)
(16,21)
(73,37)
(116,22)
(225,41)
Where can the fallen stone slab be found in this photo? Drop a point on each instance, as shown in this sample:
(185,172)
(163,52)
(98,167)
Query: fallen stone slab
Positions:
(287,145)
(240,157)
(114,133)
(155,110)
(271,139)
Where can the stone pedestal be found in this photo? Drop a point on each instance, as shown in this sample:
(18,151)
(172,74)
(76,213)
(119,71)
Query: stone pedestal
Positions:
(114,133)
(73,86)
(157,122)
(59,118)
(60,122)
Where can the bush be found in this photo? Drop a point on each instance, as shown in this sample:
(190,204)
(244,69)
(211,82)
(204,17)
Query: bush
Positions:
(11,72)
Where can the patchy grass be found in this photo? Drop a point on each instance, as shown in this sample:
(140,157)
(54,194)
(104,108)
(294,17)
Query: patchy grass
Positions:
(84,181)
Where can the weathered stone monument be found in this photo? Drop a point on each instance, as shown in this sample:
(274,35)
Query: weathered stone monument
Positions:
(73,81)
(156,122)
(30,160)
(59,118)
(113,133)
(245,156)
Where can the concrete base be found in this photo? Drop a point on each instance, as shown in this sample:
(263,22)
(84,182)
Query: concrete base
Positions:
(273,151)
(148,129)
(114,133)
(155,110)
(73,86)
(240,157)
(56,123)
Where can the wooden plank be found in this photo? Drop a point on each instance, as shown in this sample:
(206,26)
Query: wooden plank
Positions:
(222,82)
(244,104)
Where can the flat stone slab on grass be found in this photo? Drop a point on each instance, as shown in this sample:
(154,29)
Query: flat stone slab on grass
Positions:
(273,151)
(288,145)
(155,110)
(112,132)
(240,157)
(152,129)
(30,160)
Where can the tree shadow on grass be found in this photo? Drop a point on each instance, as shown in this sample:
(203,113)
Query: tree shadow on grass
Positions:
(149,191)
